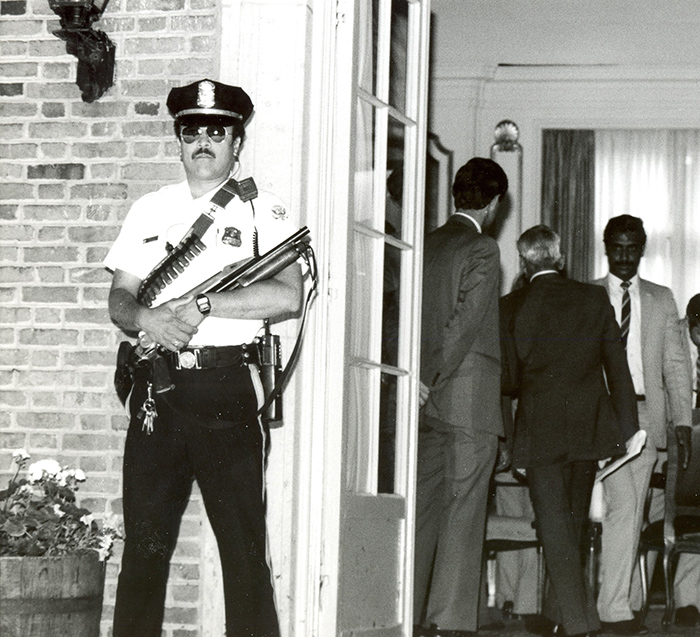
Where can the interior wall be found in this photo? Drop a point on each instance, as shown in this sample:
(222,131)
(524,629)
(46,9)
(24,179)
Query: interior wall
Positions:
(558,65)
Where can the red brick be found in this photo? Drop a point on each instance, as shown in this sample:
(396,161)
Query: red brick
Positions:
(60,212)
(18,69)
(45,420)
(51,191)
(49,337)
(98,191)
(16,191)
(60,254)
(51,275)
(9,109)
(52,234)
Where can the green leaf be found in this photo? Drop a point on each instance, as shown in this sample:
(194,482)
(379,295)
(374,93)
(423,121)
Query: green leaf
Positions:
(14,528)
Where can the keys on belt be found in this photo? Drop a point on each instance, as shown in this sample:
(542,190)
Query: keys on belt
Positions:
(213,357)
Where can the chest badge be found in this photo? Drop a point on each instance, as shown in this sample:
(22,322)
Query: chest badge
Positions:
(232,237)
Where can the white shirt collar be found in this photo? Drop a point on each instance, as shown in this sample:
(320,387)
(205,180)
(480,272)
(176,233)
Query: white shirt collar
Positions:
(541,272)
(474,221)
(615,281)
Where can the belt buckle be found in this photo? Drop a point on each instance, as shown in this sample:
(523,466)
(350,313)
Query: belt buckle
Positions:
(189,359)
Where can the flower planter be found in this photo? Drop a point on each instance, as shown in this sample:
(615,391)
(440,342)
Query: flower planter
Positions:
(51,596)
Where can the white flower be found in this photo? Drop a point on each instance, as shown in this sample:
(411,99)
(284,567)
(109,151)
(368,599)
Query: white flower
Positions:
(58,511)
(37,470)
(79,475)
(87,519)
(20,455)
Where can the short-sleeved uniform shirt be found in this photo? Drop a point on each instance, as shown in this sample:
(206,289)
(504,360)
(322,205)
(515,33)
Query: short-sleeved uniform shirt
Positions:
(164,217)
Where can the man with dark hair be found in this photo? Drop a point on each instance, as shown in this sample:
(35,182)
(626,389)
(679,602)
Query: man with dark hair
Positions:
(660,369)
(564,362)
(206,427)
(461,418)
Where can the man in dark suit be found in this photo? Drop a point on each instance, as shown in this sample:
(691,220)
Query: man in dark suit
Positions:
(461,420)
(561,345)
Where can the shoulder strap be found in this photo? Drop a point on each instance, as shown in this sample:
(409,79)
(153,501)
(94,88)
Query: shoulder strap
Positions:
(191,244)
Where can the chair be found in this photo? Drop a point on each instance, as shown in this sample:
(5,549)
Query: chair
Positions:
(507,533)
(679,531)
(651,539)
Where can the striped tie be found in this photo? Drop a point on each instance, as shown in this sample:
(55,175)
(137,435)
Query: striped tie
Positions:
(697,382)
(625,311)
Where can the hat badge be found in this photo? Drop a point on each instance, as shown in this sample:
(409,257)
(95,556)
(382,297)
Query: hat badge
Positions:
(206,94)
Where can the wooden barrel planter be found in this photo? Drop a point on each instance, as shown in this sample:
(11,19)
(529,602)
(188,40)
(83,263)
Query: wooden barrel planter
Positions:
(51,596)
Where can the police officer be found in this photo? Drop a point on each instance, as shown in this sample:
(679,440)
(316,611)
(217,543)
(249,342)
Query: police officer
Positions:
(205,427)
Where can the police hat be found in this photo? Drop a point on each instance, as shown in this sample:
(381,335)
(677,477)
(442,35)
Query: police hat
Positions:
(210,98)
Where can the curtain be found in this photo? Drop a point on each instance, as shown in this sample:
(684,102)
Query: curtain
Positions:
(654,175)
(568,195)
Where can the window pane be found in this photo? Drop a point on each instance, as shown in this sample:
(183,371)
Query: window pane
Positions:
(366,297)
(387,434)
(394,185)
(391,301)
(361,443)
(367,45)
(399,58)
(365,210)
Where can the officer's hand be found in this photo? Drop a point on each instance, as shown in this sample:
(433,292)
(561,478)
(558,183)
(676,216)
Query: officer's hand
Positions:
(163,325)
(187,311)
(683,436)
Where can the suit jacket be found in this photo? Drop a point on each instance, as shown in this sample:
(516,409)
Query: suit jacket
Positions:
(665,362)
(460,349)
(565,362)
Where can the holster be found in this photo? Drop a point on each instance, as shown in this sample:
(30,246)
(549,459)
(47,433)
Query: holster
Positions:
(124,372)
(270,371)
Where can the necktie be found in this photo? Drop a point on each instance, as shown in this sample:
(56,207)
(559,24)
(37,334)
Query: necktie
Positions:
(625,311)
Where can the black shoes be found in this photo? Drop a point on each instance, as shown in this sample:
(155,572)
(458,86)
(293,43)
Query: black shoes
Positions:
(627,627)
(687,616)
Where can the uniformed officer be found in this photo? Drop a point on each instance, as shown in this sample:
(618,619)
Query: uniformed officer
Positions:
(205,427)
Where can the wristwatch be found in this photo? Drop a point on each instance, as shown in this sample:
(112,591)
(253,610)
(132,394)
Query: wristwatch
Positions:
(203,304)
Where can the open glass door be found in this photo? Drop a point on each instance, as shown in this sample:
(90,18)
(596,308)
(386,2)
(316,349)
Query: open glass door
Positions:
(382,357)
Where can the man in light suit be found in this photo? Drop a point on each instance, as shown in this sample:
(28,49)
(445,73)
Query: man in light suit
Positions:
(564,361)
(660,371)
(461,421)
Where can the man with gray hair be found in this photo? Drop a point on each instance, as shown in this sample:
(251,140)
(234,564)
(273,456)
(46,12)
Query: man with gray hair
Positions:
(560,343)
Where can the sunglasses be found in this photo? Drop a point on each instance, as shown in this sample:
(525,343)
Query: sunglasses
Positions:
(215,132)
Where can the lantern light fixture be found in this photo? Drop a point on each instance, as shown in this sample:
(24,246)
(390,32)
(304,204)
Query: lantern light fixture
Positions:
(94,50)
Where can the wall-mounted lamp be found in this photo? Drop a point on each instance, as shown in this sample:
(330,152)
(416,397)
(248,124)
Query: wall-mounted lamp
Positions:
(94,50)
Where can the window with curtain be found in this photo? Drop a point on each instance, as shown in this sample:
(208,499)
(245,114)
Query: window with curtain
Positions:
(590,176)
(653,175)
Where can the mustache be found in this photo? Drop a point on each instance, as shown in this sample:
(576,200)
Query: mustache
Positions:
(202,151)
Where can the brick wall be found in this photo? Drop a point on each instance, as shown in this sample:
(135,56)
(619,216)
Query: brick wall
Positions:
(69,171)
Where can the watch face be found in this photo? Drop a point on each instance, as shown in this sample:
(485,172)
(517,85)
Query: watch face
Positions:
(203,304)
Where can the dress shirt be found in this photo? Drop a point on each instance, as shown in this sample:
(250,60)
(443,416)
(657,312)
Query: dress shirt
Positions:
(474,221)
(634,338)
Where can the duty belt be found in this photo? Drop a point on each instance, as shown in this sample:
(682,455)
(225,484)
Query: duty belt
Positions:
(213,357)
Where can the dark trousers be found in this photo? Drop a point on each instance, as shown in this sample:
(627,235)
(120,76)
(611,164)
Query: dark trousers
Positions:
(561,495)
(159,470)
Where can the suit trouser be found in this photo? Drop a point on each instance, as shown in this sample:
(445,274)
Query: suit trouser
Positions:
(561,494)
(624,493)
(454,469)
(159,470)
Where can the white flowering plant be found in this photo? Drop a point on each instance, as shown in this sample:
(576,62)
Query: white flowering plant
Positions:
(39,514)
